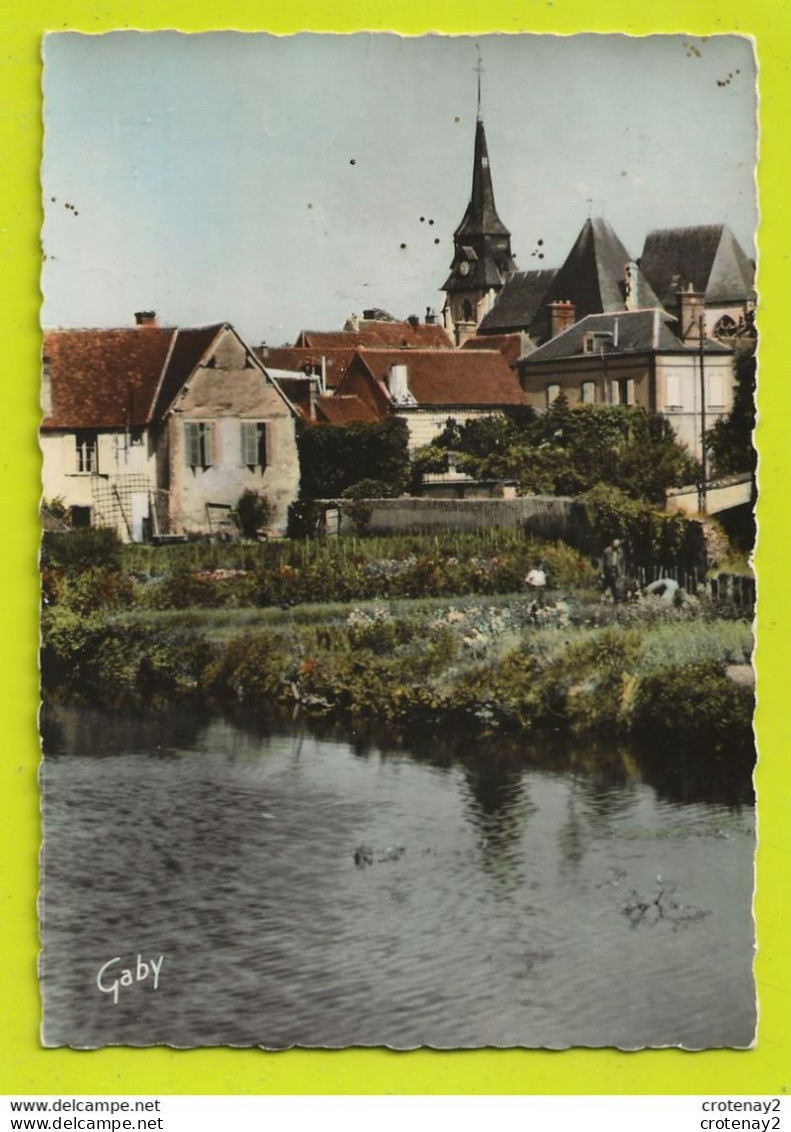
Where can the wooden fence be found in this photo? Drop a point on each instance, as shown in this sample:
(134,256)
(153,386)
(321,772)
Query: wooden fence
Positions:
(726,589)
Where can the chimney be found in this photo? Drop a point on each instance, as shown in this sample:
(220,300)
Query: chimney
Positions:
(431,317)
(631,279)
(146,318)
(46,387)
(690,312)
(562,315)
(414,321)
(313,396)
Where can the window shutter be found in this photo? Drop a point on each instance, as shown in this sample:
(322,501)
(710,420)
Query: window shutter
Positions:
(246,438)
(614,393)
(588,392)
(208,444)
(672,391)
(191,444)
(715,393)
(630,391)
(254,443)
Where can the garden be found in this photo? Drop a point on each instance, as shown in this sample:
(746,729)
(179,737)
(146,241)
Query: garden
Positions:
(420,633)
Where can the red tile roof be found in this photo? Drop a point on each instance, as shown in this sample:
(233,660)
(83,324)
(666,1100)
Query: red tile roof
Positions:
(308,359)
(509,345)
(111,378)
(447,377)
(343,410)
(378,335)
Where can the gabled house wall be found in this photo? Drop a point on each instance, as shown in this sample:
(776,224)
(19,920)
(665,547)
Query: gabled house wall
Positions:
(213,452)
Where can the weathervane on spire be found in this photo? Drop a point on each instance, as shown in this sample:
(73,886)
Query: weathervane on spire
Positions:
(479,69)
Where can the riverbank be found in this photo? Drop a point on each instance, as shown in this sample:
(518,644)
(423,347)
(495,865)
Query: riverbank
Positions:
(493,665)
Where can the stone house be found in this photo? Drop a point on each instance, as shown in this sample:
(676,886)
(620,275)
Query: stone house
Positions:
(157,431)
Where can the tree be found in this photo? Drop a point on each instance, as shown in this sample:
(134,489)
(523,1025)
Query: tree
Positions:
(567,451)
(730,440)
(333,458)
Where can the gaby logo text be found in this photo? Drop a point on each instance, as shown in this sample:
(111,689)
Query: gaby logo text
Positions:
(110,977)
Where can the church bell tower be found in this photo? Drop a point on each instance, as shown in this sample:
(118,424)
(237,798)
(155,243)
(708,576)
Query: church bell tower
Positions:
(482,258)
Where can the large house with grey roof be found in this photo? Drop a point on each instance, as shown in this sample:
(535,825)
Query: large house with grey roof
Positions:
(157,431)
(637,358)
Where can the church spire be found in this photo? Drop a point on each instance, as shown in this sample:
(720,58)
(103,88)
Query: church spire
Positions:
(482,257)
(481,216)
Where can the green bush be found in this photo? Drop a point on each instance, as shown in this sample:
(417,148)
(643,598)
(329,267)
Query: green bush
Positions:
(81,549)
(254,511)
(185,590)
(695,704)
(96,588)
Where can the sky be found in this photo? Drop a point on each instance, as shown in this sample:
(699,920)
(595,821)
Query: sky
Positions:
(283,183)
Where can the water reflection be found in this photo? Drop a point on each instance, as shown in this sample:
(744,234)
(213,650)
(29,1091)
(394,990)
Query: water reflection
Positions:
(525,907)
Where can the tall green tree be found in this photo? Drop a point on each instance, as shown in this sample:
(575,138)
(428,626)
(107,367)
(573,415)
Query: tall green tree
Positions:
(567,451)
(335,458)
(730,440)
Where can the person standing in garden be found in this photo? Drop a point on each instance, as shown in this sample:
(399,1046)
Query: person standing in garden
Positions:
(614,568)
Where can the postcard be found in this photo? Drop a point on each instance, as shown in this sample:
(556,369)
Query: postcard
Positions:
(397,590)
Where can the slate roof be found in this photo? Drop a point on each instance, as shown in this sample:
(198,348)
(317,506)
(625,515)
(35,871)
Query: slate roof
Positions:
(518,303)
(449,378)
(511,346)
(424,336)
(481,242)
(481,216)
(111,378)
(593,277)
(708,256)
(344,410)
(643,331)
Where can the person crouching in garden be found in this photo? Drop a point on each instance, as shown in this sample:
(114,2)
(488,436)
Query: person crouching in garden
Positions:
(536,584)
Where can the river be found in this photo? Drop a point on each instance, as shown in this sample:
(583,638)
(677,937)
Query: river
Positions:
(296,888)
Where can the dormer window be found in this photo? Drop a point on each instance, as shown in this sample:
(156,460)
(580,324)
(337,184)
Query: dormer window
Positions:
(596,341)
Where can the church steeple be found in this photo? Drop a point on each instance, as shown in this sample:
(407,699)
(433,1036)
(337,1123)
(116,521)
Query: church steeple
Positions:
(481,217)
(482,257)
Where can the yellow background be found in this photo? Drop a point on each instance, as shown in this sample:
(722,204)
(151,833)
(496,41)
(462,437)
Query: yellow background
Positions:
(24,1066)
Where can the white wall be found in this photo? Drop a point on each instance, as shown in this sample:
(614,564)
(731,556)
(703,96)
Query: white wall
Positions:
(120,466)
(678,393)
(426,424)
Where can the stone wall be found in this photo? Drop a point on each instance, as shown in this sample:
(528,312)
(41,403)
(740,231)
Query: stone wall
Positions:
(547,516)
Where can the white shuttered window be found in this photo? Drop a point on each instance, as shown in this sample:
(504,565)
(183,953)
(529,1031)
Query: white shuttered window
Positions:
(198,444)
(254,446)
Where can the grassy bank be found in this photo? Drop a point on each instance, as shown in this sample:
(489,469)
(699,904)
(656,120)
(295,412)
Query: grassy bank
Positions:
(488,666)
